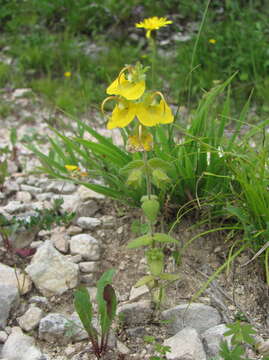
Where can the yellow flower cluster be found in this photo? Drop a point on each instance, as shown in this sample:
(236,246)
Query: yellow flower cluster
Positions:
(132,101)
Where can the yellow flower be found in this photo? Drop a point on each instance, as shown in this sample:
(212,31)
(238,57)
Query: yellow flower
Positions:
(71,167)
(131,86)
(212,41)
(122,114)
(142,141)
(153,23)
(149,112)
(67,74)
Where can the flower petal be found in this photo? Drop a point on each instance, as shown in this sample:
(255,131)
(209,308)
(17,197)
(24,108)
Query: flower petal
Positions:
(122,114)
(129,90)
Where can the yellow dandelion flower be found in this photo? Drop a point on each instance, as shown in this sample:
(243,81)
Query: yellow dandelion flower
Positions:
(153,23)
(68,74)
(212,41)
(71,167)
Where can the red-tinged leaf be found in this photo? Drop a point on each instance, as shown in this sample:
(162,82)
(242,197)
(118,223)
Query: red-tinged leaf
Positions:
(24,252)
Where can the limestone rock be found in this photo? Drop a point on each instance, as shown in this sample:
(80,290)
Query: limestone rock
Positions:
(86,246)
(135,313)
(212,338)
(196,315)
(88,223)
(87,194)
(9,299)
(51,272)
(185,345)
(20,347)
(30,320)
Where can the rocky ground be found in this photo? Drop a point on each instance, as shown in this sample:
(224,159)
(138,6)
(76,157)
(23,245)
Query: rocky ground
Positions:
(37,318)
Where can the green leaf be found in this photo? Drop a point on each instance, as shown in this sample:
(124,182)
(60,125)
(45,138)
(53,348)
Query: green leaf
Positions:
(83,306)
(106,300)
(157,163)
(231,354)
(241,333)
(169,277)
(135,164)
(164,238)
(144,280)
(144,240)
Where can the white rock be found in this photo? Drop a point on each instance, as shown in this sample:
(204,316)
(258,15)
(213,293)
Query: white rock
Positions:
(31,189)
(108,221)
(9,300)
(87,194)
(89,266)
(30,320)
(137,293)
(88,223)
(185,345)
(3,337)
(14,207)
(51,272)
(20,347)
(61,187)
(61,241)
(212,338)
(196,315)
(263,347)
(71,202)
(86,246)
(21,92)
(23,196)
(15,278)
(135,313)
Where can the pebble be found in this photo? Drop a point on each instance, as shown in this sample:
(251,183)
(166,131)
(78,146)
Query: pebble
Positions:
(23,196)
(30,319)
(88,223)
(86,246)
(89,266)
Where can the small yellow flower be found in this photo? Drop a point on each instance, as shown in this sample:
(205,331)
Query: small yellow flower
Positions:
(212,41)
(68,74)
(153,23)
(71,167)
(142,141)
(131,85)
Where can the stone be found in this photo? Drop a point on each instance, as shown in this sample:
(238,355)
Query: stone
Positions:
(33,190)
(137,292)
(196,315)
(3,337)
(88,208)
(58,328)
(20,347)
(88,279)
(138,313)
(108,221)
(9,300)
(15,207)
(71,202)
(21,92)
(52,328)
(23,196)
(137,332)
(30,320)
(88,266)
(23,237)
(61,241)
(51,272)
(88,223)
(86,246)
(15,278)
(263,347)
(122,348)
(213,337)
(185,345)
(87,194)
(73,230)
(61,187)
(42,301)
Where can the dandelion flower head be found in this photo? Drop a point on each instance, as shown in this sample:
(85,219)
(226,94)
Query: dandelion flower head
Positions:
(153,23)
